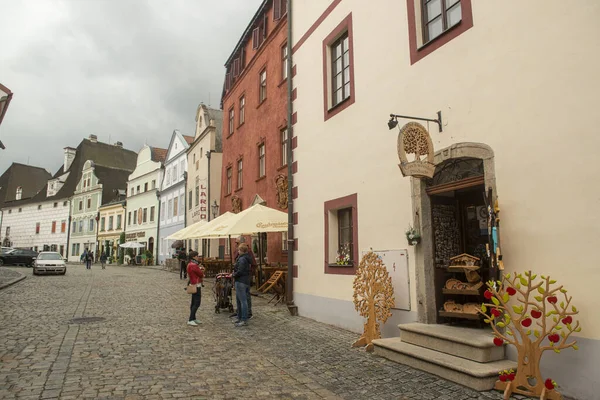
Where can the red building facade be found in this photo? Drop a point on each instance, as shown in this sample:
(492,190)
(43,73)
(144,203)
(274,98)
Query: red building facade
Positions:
(254,104)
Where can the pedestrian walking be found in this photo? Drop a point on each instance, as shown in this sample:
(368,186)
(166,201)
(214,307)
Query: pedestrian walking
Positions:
(241,274)
(196,275)
(181,256)
(86,257)
(103,258)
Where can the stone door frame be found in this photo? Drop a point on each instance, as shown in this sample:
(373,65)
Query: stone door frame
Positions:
(421,204)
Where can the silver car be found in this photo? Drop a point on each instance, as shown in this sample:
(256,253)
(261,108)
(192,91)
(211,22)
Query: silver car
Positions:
(49,262)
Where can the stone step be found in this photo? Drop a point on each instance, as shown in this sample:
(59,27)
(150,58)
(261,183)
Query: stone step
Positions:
(477,376)
(472,344)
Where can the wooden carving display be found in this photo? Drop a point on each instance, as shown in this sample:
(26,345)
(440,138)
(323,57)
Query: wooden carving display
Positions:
(414,139)
(533,316)
(236,204)
(281,181)
(373,297)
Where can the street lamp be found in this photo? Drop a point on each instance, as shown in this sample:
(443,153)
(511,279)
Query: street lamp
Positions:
(215,209)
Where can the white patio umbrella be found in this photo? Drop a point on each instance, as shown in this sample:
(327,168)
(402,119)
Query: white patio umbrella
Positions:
(131,245)
(197,232)
(183,233)
(255,219)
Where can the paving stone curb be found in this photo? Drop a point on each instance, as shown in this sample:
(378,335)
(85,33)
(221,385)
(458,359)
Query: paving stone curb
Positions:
(13,281)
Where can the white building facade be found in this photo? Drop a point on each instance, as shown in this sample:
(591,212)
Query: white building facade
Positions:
(206,149)
(84,213)
(38,226)
(507,85)
(142,199)
(172,193)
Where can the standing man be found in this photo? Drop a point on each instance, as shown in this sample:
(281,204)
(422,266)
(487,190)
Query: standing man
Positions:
(103,258)
(253,267)
(87,258)
(181,256)
(241,274)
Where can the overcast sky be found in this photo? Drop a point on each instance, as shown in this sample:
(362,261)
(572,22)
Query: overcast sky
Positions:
(125,70)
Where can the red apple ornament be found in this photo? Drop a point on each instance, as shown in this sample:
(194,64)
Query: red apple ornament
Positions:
(567,320)
(550,384)
(554,338)
(511,291)
(496,312)
(526,322)
(488,295)
(498,341)
(536,314)
(552,299)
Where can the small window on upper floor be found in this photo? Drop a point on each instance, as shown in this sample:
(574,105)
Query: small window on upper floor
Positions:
(19,193)
(262,90)
(279,9)
(338,78)
(439,16)
(433,23)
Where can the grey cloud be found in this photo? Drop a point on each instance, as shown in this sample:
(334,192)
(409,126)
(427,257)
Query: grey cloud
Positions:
(131,70)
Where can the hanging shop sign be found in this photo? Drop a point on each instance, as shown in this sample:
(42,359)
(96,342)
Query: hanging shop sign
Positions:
(414,139)
(201,211)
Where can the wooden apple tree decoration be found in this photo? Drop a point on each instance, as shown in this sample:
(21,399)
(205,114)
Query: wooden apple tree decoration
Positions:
(373,297)
(535,321)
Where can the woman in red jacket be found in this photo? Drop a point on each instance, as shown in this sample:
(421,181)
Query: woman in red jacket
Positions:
(196,275)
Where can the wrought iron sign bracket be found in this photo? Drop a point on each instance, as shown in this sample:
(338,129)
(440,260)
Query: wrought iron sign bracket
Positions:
(393,122)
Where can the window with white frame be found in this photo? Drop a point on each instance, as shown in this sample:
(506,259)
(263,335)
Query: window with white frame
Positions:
(242,109)
(231,120)
(439,16)
(152,209)
(284,62)
(340,70)
(170,209)
(284,144)
(261,161)
(240,174)
(228,182)
(262,94)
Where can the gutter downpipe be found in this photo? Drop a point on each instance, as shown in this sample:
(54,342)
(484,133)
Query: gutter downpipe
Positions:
(68,231)
(293,309)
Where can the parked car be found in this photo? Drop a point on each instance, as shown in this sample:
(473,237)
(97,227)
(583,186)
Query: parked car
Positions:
(4,250)
(18,257)
(49,262)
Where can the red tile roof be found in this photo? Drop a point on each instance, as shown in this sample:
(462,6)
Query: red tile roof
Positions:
(189,139)
(159,154)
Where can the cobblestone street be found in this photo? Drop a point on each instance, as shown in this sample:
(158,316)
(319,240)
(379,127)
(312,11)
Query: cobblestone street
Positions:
(143,349)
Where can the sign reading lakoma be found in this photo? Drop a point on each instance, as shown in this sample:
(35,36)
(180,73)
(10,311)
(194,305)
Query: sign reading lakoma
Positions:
(414,139)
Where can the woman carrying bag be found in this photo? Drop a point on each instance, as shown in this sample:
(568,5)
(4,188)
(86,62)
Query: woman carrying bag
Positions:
(196,278)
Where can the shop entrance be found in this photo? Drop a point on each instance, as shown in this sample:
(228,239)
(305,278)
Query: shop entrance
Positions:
(459,226)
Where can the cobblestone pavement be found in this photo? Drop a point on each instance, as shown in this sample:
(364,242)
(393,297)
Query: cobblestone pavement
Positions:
(143,349)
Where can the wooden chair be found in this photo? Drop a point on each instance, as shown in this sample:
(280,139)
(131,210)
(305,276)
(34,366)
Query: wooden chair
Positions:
(268,285)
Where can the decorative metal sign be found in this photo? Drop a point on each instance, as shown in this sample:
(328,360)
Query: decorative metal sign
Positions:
(414,139)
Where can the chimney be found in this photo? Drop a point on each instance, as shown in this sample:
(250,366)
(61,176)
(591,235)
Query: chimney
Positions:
(69,157)
(119,145)
(93,138)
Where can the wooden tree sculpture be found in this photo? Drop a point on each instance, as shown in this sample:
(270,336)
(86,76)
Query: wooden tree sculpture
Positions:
(373,297)
(531,303)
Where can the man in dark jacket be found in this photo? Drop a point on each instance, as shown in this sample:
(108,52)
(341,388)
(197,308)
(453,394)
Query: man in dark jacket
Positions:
(241,274)
(182,257)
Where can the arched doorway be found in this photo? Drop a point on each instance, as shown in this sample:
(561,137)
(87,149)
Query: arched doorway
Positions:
(151,245)
(445,208)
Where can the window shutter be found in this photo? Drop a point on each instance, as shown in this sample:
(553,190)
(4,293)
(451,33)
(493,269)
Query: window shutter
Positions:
(255,38)
(236,67)
(276,10)
(227,81)
(265,31)
(283,8)
(243,58)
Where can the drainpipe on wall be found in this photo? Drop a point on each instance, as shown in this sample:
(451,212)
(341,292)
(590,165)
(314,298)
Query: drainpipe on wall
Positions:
(157,240)
(293,309)
(68,230)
